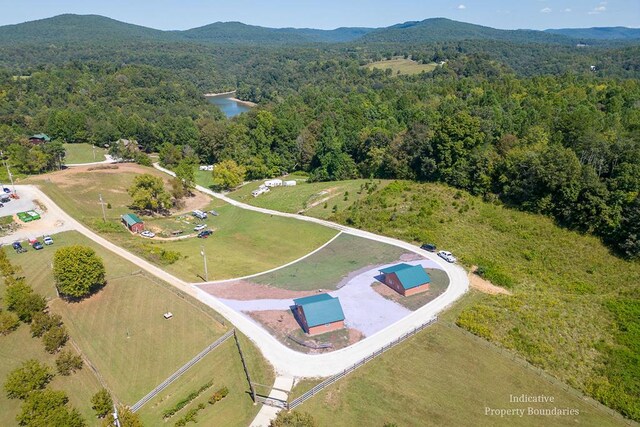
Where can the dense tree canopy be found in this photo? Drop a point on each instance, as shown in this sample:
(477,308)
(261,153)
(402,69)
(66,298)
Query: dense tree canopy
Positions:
(31,375)
(78,271)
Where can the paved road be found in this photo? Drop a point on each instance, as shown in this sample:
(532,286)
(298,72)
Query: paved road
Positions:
(286,361)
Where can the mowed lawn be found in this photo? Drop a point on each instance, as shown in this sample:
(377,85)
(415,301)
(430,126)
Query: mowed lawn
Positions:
(317,199)
(83,153)
(443,377)
(121,329)
(19,346)
(78,190)
(402,66)
(224,368)
(327,267)
(243,243)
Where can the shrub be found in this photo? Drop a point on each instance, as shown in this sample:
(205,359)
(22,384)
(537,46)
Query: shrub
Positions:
(8,322)
(293,419)
(55,338)
(168,413)
(30,376)
(219,395)
(68,362)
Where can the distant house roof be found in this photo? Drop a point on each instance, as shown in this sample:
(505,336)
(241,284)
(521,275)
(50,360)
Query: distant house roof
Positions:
(320,309)
(131,219)
(410,276)
(41,136)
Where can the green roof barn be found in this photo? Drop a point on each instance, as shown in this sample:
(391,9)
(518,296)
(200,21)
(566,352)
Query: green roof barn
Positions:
(133,223)
(319,313)
(406,279)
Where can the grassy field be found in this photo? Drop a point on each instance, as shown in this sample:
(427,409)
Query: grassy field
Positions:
(243,243)
(317,199)
(399,66)
(570,294)
(19,346)
(77,191)
(224,368)
(442,377)
(327,267)
(204,178)
(122,331)
(83,153)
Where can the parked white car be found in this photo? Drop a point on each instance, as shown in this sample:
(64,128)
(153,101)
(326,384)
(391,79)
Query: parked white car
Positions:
(447,256)
(199,227)
(147,233)
(47,240)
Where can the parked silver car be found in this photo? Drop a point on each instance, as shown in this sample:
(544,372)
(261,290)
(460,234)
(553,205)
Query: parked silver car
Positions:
(447,256)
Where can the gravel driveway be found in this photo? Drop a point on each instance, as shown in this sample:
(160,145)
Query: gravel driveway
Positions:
(364,309)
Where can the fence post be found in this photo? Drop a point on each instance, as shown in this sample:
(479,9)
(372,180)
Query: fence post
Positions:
(246,370)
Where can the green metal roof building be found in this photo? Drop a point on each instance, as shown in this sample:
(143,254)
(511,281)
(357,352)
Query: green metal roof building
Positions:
(40,137)
(132,222)
(319,313)
(406,279)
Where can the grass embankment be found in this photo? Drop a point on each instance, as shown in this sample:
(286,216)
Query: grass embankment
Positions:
(399,66)
(83,153)
(327,267)
(442,377)
(243,242)
(122,331)
(224,368)
(317,199)
(573,304)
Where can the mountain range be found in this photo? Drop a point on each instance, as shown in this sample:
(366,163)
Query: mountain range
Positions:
(76,28)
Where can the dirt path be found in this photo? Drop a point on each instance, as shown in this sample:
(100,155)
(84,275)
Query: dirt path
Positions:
(483,285)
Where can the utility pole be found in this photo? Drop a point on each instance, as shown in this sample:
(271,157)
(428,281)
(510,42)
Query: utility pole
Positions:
(9,172)
(204,257)
(94,153)
(104,216)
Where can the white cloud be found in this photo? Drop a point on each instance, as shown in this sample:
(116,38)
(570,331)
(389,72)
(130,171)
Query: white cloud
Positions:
(567,10)
(461,7)
(546,10)
(598,9)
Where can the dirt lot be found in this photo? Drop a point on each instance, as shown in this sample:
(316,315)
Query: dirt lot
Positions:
(282,325)
(243,290)
(483,285)
(77,176)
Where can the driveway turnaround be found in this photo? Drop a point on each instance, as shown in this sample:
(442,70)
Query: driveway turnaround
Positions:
(364,308)
(286,361)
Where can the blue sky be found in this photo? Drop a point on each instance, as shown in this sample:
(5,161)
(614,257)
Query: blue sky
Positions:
(327,14)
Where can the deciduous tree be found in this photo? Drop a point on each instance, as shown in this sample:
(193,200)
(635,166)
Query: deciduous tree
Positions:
(31,375)
(102,403)
(78,271)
